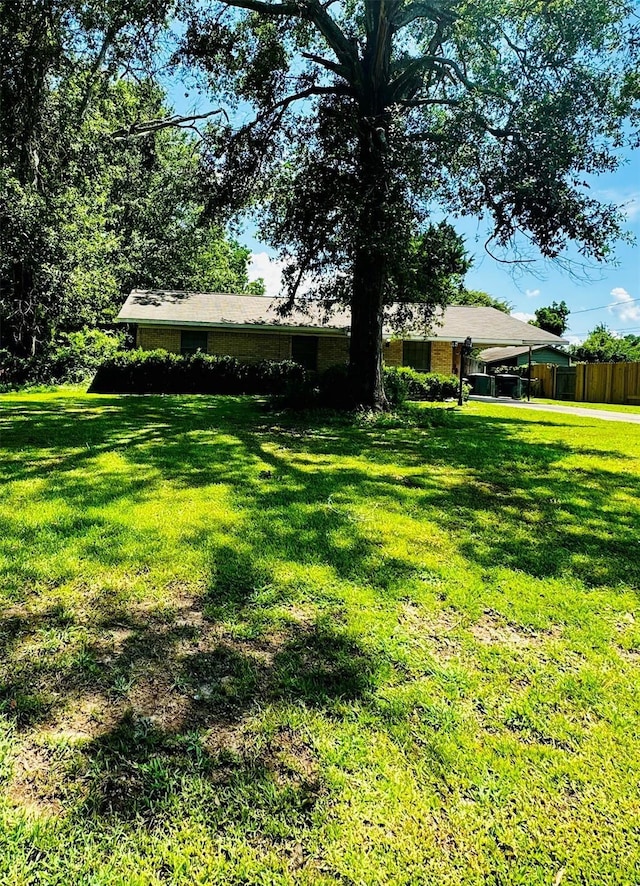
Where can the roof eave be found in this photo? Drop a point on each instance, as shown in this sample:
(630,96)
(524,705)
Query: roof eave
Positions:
(251,327)
(485,342)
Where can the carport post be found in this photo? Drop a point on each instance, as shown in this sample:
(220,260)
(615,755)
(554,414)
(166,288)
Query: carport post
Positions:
(529,378)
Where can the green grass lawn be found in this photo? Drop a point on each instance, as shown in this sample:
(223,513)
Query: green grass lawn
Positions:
(242,648)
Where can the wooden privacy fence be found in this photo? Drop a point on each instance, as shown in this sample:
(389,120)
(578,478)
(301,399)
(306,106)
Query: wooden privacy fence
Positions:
(590,382)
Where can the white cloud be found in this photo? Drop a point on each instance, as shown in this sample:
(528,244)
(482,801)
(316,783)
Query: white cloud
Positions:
(631,207)
(627,201)
(625,307)
(521,315)
(270,269)
(532,293)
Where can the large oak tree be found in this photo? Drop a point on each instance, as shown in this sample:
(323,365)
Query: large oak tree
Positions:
(369,116)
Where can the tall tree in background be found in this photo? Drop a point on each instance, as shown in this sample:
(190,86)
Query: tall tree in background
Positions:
(554,318)
(372,114)
(602,346)
(54,56)
(479,299)
(85,216)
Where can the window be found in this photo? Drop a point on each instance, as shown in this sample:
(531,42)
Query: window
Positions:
(417,355)
(304,350)
(190,342)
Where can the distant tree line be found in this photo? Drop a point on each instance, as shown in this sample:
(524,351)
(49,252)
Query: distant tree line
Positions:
(84,216)
(603,346)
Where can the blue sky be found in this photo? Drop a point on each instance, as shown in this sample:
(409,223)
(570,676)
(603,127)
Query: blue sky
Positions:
(610,293)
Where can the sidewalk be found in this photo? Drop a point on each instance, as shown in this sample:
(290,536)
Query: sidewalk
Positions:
(629,417)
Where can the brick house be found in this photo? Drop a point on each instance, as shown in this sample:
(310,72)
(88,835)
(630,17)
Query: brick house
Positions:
(250,328)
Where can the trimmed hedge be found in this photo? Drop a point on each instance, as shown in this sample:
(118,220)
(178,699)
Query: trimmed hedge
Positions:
(403,383)
(161,372)
(331,390)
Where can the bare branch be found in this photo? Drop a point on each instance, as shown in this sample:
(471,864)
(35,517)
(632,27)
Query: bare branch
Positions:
(506,261)
(306,93)
(136,130)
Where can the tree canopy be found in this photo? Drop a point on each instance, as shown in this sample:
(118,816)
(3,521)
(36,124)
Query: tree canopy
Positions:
(553,318)
(602,346)
(85,216)
(480,299)
(371,115)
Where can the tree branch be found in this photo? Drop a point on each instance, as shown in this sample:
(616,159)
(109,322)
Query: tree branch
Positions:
(340,70)
(424,102)
(422,9)
(313,11)
(277,9)
(137,130)
(109,37)
(344,49)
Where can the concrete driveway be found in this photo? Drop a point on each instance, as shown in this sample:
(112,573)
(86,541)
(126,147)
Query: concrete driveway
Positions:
(629,417)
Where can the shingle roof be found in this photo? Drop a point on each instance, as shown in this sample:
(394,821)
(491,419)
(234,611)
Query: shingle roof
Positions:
(492,355)
(222,309)
(161,307)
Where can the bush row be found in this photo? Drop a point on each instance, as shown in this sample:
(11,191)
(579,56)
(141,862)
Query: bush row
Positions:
(160,372)
(147,372)
(69,357)
(403,383)
(163,372)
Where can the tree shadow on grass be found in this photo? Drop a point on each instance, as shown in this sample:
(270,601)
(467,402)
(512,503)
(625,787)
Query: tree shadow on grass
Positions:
(138,712)
(156,713)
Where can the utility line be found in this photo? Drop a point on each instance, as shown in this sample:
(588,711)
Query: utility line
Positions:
(628,329)
(613,304)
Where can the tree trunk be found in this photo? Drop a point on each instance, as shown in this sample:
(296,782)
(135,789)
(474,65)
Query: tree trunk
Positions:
(365,352)
(370,269)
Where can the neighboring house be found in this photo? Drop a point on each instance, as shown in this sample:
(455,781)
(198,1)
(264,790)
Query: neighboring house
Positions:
(493,357)
(252,328)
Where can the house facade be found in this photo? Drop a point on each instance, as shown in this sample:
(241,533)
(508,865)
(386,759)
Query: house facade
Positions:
(253,328)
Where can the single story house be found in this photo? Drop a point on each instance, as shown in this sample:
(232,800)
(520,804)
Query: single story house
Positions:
(252,328)
(492,357)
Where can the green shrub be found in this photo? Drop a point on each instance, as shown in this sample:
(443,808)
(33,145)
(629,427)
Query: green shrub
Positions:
(75,356)
(331,389)
(13,370)
(69,357)
(160,372)
(403,383)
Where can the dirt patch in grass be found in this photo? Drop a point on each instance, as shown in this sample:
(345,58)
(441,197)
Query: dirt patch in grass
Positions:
(35,784)
(178,675)
(438,629)
(493,629)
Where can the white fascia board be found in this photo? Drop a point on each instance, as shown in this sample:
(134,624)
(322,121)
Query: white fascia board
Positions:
(498,342)
(239,327)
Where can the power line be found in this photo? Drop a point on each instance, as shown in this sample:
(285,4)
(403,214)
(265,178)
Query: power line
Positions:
(614,304)
(628,329)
